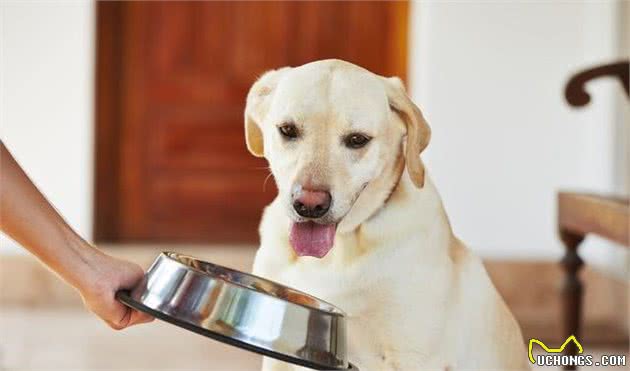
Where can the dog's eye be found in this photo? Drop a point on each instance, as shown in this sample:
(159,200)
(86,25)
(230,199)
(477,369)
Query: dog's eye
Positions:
(356,140)
(289,131)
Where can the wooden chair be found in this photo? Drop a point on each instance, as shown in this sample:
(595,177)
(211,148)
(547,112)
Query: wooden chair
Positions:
(581,214)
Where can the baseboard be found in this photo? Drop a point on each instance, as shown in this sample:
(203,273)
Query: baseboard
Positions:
(531,290)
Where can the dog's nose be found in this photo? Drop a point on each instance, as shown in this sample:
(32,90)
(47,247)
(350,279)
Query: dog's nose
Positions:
(312,204)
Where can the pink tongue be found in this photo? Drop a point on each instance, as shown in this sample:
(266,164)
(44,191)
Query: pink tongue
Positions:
(312,239)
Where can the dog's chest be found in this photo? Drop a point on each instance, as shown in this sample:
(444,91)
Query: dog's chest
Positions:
(388,323)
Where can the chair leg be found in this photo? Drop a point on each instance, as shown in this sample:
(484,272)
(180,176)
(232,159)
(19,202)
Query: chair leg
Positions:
(571,290)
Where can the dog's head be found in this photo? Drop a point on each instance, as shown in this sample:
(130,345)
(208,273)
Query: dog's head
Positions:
(334,135)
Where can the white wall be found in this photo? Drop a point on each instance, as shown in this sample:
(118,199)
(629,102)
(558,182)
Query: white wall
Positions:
(489,77)
(46,93)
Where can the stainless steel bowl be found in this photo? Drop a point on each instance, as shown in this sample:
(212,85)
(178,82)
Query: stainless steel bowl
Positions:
(242,310)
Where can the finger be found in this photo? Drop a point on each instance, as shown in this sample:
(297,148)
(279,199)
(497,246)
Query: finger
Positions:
(125,320)
(114,325)
(138,317)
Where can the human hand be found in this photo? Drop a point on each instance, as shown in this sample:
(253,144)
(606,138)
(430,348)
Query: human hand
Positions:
(28,218)
(106,276)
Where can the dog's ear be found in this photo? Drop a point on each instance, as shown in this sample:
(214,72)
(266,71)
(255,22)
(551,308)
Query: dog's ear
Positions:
(418,131)
(256,108)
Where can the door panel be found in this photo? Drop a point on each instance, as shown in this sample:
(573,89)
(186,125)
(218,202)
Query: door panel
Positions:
(172,78)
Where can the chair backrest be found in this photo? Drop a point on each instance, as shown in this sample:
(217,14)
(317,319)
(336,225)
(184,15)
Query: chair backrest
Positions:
(575,92)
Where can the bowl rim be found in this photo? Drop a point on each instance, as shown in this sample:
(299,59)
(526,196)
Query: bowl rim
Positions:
(173,256)
(125,297)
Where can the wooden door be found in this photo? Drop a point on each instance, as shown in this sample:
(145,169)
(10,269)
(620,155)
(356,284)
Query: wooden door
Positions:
(171,84)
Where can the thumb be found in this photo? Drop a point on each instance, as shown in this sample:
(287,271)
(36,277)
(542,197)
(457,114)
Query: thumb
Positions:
(138,317)
(121,321)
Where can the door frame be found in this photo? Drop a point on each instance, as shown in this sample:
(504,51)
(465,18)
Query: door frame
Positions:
(108,115)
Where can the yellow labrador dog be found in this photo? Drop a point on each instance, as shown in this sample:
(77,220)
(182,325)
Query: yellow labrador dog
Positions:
(351,226)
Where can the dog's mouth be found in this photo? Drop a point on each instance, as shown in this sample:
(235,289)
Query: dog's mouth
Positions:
(309,238)
(312,239)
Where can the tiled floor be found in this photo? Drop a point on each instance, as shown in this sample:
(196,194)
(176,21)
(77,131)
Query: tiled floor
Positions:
(73,340)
